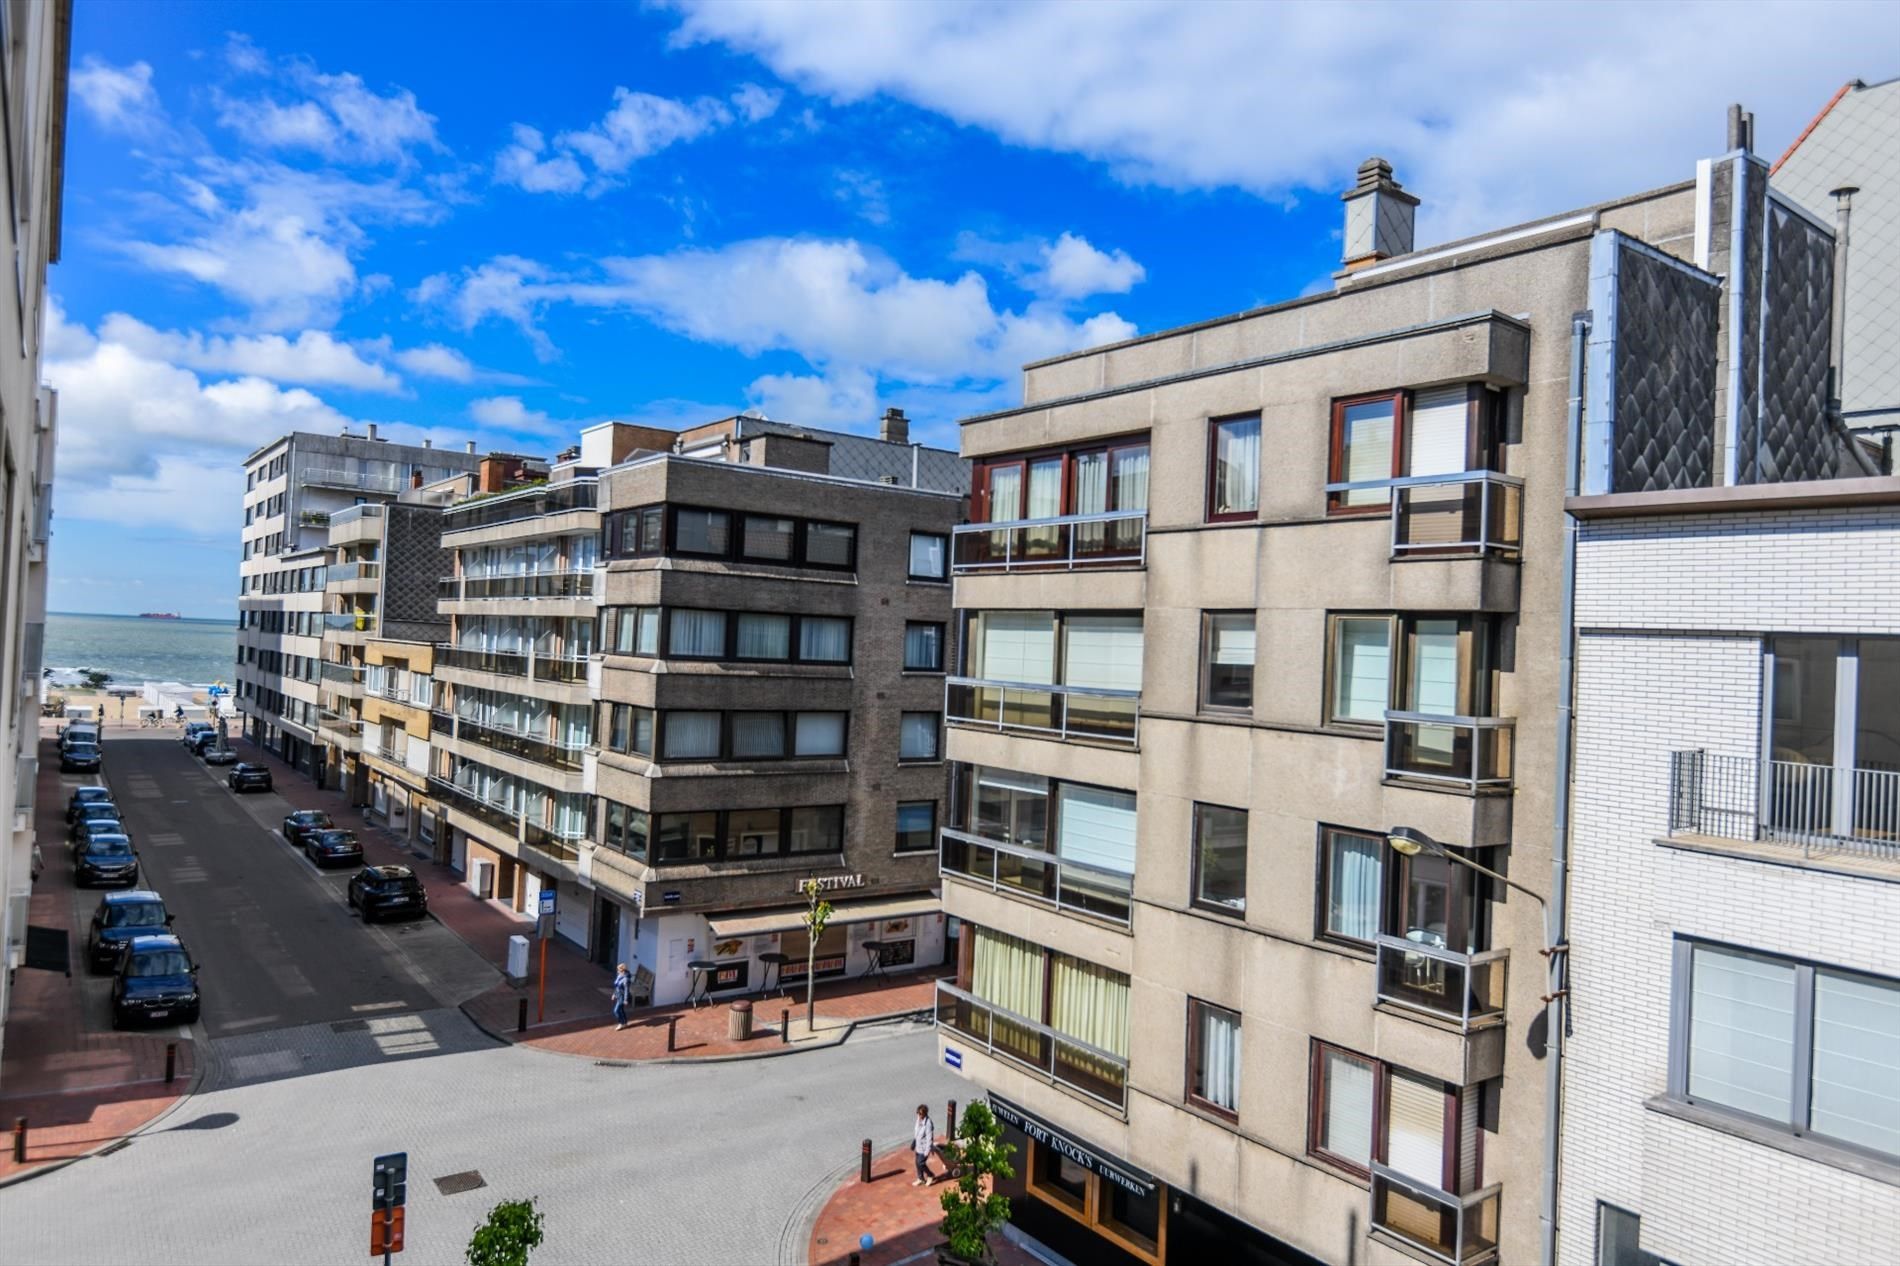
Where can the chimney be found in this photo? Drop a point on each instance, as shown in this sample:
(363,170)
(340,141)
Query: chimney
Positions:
(895,427)
(1741,129)
(471,446)
(415,477)
(372,430)
(1378,216)
(428,443)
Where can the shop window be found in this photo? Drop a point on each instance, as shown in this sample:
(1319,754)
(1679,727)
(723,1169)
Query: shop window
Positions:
(1134,1222)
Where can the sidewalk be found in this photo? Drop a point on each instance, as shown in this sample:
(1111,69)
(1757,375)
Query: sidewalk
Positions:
(901,1219)
(79,1084)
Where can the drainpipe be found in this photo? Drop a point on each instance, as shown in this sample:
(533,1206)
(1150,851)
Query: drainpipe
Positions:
(1556,948)
(1837,320)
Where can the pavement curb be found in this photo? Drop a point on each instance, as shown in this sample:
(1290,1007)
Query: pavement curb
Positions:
(770,1052)
(794,1241)
(185,1096)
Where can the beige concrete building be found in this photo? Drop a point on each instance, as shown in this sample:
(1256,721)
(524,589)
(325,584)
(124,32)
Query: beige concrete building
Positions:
(37,52)
(1264,657)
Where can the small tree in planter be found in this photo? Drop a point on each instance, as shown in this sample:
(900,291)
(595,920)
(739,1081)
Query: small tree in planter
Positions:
(817,915)
(973,1208)
(512,1231)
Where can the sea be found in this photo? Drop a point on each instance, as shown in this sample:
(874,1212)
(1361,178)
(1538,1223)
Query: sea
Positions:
(133,650)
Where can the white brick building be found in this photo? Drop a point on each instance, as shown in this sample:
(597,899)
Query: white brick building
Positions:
(1733,1077)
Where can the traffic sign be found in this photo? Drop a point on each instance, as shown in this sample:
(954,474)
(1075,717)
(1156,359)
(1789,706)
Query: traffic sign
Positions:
(385,1232)
(547,901)
(389,1181)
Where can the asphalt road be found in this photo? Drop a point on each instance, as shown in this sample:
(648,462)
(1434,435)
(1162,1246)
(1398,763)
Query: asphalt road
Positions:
(276,941)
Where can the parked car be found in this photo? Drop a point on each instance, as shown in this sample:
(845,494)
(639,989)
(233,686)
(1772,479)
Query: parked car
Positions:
(92,828)
(216,754)
(120,917)
(80,758)
(197,743)
(86,795)
(96,811)
(387,890)
(157,982)
(79,732)
(295,824)
(329,848)
(104,860)
(195,730)
(246,777)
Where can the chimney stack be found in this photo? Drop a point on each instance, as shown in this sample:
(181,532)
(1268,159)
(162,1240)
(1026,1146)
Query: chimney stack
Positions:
(895,427)
(428,443)
(372,430)
(471,446)
(1741,129)
(1378,216)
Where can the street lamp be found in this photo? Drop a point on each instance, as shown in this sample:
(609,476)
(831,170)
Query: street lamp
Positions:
(1410,842)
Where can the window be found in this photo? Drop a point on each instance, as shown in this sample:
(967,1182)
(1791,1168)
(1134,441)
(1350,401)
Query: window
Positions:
(1213,1058)
(764,637)
(824,640)
(691,736)
(917,735)
(1365,448)
(1351,874)
(1619,1238)
(831,545)
(625,829)
(752,833)
(758,735)
(1102,652)
(686,837)
(1834,726)
(1362,670)
(1220,859)
(768,540)
(818,734)
(1340,1129)
(1227,681)
(704,532)
(741,834)
(696,634)
(1233,486)
(649,529)
(916,826)
(929,556)
(620,727)
(819,829)
(923,647)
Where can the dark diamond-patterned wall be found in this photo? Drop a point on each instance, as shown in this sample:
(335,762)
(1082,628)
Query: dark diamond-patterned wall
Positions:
(1666,320)
(1797,441)
(1747,409)
(413,560)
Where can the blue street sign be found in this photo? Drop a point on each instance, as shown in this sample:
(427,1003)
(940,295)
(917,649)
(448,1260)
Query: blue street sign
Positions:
(547,901)
(953,1057)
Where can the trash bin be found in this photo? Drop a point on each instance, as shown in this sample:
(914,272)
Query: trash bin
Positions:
(739,1021)
(518,958)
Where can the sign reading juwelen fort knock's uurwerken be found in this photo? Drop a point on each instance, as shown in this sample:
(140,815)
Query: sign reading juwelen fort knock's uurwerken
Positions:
(1089,1158)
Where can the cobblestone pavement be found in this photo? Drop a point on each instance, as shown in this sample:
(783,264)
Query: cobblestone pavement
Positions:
(650,1164)
(901,1219)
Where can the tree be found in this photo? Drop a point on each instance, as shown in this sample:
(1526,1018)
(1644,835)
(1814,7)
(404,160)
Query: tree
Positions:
(97,680)
(817,915)
(972,1209)
(512,1231)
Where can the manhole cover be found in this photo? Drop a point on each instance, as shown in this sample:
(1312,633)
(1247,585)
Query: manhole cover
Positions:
(456,1184)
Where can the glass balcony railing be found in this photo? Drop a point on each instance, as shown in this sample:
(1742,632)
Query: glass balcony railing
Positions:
(526,747)
(1088,1069)
(1116,539)
(1828,810)
(1040,876)
(350,621)
(527,503)
(1465,988)
(555,584)
(564,668)
(348,678)
(1083,713)
(343,573)
(1475,512)
(505,663)
(1468,753)
(1456,1230)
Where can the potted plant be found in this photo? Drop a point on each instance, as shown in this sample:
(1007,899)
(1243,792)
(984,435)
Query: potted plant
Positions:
(972,1207)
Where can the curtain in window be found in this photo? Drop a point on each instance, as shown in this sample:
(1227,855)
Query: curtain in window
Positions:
(1105,651)
(1345,1125)
(917,736)
(575,725)
(1237,466)
(1415,1127)
(1352,892)
(758,734)
(619,727)
(1366,439)
(583,552)
(1007,972)
(692,735)
(1741,1031)
(1434,679)
(1435,432)
(1091,483)
(643,731)
(926,556)
(698,633)
(818,734)
(1016,646)
(1219,1039)
(822,639)
(1857,1061)
(1131,478)
(1362,673)
(1089,1003)
(1006,493)
(1096,827)
(923,646)
(646,638)
(765,636)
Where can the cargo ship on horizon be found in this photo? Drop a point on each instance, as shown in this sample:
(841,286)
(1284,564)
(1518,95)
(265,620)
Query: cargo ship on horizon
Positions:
(160,615)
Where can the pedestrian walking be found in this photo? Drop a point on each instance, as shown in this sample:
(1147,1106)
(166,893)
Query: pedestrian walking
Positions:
(623,988)
(923,1138)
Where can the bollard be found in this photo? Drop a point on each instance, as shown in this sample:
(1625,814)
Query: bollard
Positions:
(19,1140)
(672,1026)
(864,1161)
(521,1017)
(171,1061)
(855,1260)
(950,1118)
(784,1025)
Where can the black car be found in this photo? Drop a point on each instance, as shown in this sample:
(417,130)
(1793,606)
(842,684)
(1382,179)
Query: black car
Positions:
(97,811)
(105,860)
(84,796)
(197,743)
(328,848)
(80,758)
(217,755)
(302,820)
(381,890)
(120,917)
(157,983)
(249,777)
(196,731)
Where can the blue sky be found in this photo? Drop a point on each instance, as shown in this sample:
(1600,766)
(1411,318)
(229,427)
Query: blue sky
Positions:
(499,223)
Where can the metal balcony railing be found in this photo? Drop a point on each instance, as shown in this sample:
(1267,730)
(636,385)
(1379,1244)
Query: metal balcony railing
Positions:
(1465,988)
(547,584)
(529,747)
(505,663)
(1059,712)
(527,503)
(1118,538)
(1474,512)
(564,668)
(1827,810)
(1470,753)
(1457,1230)
(1092,1071)
(1038,875)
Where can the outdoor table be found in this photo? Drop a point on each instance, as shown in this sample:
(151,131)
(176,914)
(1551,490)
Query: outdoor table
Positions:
(874,958)
(702,969)
(774,971)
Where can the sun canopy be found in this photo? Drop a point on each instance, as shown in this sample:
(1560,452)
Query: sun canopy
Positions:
(792,918)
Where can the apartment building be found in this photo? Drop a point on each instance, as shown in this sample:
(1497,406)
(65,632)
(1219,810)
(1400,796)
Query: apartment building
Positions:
(35,52)
(774,637)
(292,487)
(1256,734)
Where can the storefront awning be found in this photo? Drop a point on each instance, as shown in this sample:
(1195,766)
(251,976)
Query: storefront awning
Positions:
(792,918)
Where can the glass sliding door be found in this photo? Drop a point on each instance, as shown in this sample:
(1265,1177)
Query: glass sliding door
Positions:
(1431,686)
(1833,759)
(1044,502)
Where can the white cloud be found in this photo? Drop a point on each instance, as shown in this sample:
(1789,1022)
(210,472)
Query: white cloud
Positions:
(508,413)
(521,164)
(313,357)
(863,193)
(1491,113)
(755,103)
(1073,269)
(436,361)
(177,494)
(336,116)
(841,398)
(119,98)
(637,126)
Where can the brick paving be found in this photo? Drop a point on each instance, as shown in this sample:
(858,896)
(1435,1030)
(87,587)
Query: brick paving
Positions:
(901,1219)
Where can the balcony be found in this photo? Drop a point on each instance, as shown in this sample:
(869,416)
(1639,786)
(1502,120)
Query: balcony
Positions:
(527,503)
(1466,989)
(352,574)
(1477,512)
(1824,810)
(561,846)
(526,747)
(350,621)
(343,680)
(1465,754)
(554,584)
(1081,713)
(396,752)
(1116,539)
(1037,875)
(1456,1230)
(503,663)
(356,524)
(356,480)
(1004,1034)
(561,668)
